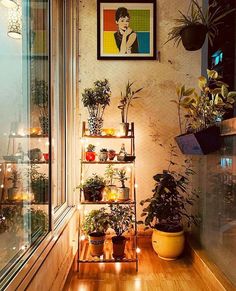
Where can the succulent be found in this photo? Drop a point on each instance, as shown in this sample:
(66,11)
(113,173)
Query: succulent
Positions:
(110,173)
(90,148)
(103,150)
(121,176)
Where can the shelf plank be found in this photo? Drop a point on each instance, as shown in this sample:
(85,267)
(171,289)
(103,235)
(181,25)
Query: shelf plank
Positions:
(107,202)
(106,136)
(85,257)
(27,162)
(108,162)
(28,136)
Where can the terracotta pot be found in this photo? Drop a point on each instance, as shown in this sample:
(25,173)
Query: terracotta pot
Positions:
(118,247)
(111,154)
(90,156)
(96,242)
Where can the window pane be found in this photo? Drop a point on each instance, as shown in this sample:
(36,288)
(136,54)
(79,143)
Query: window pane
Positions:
(24,128)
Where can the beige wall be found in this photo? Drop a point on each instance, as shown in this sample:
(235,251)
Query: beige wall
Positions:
(159,79)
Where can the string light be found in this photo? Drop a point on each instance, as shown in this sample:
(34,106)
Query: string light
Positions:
(82,237)
(136,185)
(138,250)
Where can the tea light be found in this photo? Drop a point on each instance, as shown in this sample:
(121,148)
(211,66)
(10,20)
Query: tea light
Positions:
(110,131)
(35,130)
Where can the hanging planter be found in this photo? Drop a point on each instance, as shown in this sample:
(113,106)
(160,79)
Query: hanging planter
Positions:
(200,143)
(193,36)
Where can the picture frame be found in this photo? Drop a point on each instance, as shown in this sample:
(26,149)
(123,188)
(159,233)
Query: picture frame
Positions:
(126,30)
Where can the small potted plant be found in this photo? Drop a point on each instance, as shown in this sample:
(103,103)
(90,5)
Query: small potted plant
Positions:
(111,189)
(96,99)
(192,28)
(90,154)
(126,101)
(202,113)
(39,184)
(40,93)
(111,154)
(95,225)
(123,191)
(168,207)
(121,221)
(93,188)
(103,155)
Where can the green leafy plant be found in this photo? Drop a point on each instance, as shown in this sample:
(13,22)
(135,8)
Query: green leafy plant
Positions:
(110,173)
(40,95)
(39,184)
(94,182)
(91,148)
(204,109)
(103,150)
(126,100)
(121,218)
(167,207)
(121,176)
(211,20)
(96,221)
(96,99)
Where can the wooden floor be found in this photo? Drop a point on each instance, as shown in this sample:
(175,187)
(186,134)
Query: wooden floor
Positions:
(154,274)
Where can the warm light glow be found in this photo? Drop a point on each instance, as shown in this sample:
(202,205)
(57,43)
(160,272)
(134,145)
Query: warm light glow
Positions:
(82,237)
(15,23)
(47,143)
(137,284)
(13,133)
(136,185)
(118,267)
(9,3)
(128,169)
(79,206)
(138,250)
(2,186)
(23,248)
(85,212)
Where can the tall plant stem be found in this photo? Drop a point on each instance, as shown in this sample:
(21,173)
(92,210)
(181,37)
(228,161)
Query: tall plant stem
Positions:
(179,117)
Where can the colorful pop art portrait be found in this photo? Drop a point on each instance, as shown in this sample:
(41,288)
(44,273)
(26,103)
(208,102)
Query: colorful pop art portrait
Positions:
(126,29)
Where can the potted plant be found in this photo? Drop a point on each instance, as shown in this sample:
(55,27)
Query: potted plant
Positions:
(95,225)
(93,188)
(103,155)
(90,154)
(40,93)
(39,184)
(126,101)
(111,154)
(121,221)
(192,28)
(168,207)
(96,99)
(202,112)
(111,189)
(123,191)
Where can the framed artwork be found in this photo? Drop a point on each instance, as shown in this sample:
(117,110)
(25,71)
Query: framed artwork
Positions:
(126,30)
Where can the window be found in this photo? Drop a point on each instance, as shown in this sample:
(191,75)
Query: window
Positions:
(24,129)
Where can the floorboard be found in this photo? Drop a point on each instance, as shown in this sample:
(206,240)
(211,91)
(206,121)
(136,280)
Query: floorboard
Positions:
(154,274)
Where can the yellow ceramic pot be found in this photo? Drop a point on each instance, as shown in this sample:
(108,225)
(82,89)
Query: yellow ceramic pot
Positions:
(168,245)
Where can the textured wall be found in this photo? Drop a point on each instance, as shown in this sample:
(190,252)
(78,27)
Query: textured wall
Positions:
(159,79)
